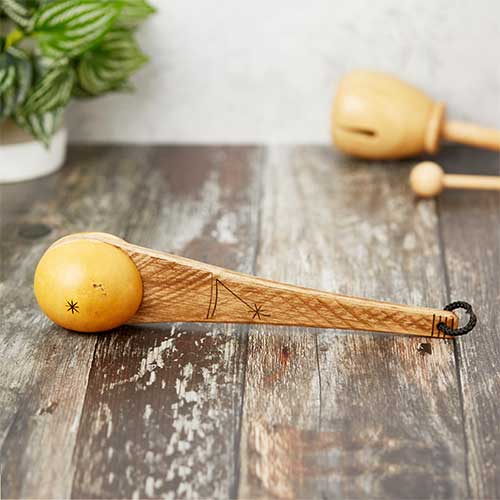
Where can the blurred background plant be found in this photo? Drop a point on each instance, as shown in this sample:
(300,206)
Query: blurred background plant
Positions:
(53,50)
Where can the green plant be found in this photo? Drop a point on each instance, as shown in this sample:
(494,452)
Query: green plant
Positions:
(52,50)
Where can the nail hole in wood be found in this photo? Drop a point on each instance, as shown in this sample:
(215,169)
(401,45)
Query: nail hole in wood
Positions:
(424,348)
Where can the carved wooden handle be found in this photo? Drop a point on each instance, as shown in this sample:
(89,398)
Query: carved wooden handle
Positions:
(471,134)
(176,289)
(428,179)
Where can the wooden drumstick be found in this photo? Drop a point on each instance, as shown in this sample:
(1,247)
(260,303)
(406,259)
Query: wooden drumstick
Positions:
(377,116)
(95,281)
(427,179)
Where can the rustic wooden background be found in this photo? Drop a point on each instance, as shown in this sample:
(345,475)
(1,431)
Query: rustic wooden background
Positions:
(204,411)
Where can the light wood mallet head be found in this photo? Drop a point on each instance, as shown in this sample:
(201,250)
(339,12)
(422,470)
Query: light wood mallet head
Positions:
(92,282)
(377,116)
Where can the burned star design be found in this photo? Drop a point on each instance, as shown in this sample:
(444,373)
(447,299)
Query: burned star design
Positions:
(72,307)
(258,312)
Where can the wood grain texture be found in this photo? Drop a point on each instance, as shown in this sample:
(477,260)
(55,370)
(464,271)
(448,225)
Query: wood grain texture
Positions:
(329,415)
(162,410)
(214,411)
(44,372)
(470,224)
(180,289)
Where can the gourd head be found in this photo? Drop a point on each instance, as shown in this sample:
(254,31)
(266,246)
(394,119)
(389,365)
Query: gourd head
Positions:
(88,285)
(377,116)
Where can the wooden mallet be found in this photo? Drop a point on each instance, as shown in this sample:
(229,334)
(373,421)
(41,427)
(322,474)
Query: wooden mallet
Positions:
(428,179)
(377,116)
(93,282)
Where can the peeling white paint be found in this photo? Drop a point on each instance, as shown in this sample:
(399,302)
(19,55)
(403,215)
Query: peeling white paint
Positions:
(75,424)
(152,378)
(148,411)
(197,416)
(153,361)
(196,214)
(409,242)
(225,229)
(149,487)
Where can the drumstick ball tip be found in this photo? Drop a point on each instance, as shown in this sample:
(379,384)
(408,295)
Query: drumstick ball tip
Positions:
(427,179)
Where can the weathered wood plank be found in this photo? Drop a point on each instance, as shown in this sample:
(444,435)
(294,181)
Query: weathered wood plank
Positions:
(161,417)
(471,234)
(349,415)
(327,414)
(43,375)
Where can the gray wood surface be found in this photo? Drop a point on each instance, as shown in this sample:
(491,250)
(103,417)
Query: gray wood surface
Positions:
(471,241)
(218,411)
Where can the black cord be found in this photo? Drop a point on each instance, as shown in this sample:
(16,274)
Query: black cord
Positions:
(465,329)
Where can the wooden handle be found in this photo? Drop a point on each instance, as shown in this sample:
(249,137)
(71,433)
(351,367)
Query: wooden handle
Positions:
(483,182)
(473,135)
(428,179)
(180,289)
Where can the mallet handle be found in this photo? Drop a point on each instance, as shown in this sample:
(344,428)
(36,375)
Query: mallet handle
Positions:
(180,289)
(467,133)
(485,182)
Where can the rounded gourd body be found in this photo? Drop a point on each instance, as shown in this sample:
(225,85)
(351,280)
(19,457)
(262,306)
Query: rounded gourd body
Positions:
(376,116)
(87,285)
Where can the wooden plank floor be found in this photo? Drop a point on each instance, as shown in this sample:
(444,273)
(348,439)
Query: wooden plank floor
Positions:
(237,411)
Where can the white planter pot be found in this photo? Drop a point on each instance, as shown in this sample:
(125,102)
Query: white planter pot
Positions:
(22,158)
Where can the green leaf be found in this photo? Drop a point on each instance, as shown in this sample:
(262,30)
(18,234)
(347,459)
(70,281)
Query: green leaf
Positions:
(7,103)
(24,78)
(70,27)
(52,91)
(42,126)
(16,73)
(7,72)
(133,12)
(109,65)
(44,64)
(20,11)
(80,92)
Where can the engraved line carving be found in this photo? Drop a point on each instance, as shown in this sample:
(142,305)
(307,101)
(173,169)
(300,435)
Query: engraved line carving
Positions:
(255,309)
(211,295)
